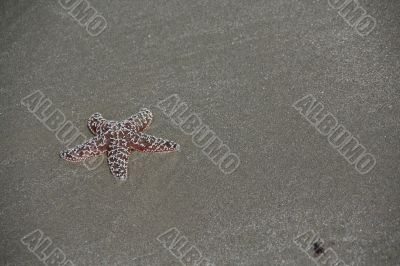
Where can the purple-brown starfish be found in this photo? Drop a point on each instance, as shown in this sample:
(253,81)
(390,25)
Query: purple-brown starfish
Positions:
(118,140)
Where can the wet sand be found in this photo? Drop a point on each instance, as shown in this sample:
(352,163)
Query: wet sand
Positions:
(239,67)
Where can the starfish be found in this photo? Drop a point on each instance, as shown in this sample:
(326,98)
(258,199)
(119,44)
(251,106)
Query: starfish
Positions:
(118,140)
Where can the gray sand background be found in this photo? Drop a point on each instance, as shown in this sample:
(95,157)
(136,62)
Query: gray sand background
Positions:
(239,65)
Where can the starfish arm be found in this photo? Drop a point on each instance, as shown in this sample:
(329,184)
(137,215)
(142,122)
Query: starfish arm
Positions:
(147,143)
(140,121)
(118,156)
(95,122)
(94,146)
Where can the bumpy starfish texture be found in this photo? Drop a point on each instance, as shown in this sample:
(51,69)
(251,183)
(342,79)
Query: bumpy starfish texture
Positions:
(118,140)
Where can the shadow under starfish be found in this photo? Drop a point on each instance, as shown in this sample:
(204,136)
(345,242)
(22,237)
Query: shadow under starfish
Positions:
(118,140)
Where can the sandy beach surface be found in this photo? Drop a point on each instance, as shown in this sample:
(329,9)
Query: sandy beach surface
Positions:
(256,94)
